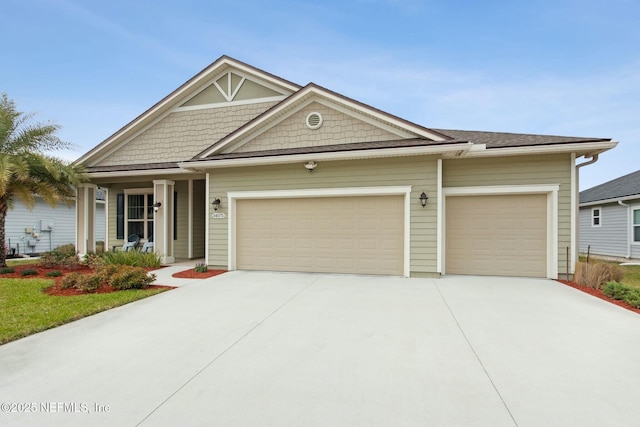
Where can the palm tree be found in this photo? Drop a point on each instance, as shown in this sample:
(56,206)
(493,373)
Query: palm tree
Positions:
(25,170)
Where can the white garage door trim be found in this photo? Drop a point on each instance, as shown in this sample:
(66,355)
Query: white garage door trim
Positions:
(405,191)
(551,190)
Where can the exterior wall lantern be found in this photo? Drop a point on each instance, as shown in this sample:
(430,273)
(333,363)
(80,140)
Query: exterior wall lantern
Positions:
(216,204)
(310,165)
(423,199)
(156,206)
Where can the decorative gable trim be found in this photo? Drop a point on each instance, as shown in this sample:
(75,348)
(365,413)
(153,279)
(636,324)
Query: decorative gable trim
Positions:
(165,105)
(315,93)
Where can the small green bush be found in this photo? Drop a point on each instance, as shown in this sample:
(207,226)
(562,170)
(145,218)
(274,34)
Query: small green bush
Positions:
(105,271)
(63,256)
(55,273)
(7,270)
(201,268)
(131,278)
(70,280)
(89,282)
(29,272)
(133,258)
(621,292)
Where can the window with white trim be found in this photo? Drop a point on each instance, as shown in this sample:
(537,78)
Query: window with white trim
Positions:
(139,214)
(636,225)
(596,217)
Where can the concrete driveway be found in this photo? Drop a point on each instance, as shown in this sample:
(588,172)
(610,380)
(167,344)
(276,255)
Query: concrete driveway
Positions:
(278,349)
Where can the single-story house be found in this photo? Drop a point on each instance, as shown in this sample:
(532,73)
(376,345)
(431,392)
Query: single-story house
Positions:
(43,228)
(251,171)
(610,218)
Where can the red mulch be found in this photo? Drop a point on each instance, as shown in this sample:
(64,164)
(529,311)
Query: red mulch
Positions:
(192,274)
(56,288)
(598,293)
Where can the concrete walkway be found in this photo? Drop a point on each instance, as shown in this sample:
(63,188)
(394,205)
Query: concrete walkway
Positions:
(278,349)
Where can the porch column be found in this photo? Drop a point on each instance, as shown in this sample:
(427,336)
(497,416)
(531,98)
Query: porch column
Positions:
(86,218)
(163,220)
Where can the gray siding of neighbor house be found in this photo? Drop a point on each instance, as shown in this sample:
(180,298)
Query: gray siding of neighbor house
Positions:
(612,237)
(63,230)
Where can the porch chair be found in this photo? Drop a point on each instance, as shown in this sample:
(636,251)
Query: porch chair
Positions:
(148,246)
(132,243)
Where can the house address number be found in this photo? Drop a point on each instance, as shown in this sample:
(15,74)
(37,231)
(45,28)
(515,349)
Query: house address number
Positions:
(218,215)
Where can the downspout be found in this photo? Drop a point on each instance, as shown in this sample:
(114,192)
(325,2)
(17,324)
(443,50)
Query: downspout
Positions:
(628,227)
(576,212)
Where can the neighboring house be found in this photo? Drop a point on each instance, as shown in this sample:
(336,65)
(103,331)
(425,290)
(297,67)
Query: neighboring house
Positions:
(610,218)
(253,172)
(37,230)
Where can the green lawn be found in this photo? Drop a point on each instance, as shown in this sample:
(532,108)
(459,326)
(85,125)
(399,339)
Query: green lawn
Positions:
(25,309)
(631,275)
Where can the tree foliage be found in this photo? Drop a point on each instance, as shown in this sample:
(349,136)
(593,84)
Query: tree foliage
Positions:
(27,170)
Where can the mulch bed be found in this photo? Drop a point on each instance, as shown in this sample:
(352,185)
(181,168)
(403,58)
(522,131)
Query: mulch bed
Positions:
(192,274)
(598,293)
(56,288)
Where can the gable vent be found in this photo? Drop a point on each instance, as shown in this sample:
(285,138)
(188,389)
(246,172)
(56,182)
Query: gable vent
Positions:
(314,120)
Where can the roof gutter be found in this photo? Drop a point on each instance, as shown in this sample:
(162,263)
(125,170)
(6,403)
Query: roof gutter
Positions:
(607,201)
(199,165)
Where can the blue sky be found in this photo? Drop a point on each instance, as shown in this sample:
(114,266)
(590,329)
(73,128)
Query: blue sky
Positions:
(562,67)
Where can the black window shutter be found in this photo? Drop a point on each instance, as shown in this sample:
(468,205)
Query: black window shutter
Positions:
(120,216)
(175,215)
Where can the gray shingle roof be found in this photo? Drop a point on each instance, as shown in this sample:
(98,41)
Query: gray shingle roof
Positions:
(505,139)
(627,185)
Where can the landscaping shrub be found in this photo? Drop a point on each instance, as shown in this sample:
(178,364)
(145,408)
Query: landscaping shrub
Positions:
(201,268)
(625,293)
(133,258)
(29,272)
(70,280)
(93,261)
(105,271)
(131,278)
(595,274)
(64,256)
(55,273)
(89,282)
(7,270)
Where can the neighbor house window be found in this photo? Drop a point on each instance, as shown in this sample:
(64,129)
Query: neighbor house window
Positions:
(596,217)
(636,225)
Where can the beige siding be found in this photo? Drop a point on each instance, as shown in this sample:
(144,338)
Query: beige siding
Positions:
(337,128)
(420,172)
(182,135)
(520,170)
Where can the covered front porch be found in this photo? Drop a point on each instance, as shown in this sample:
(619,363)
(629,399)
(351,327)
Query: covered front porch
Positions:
(166,216)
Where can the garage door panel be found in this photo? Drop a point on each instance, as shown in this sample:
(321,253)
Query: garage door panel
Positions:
(496,235)
(363,234)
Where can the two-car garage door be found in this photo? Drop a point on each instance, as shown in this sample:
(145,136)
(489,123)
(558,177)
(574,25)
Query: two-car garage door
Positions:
(354,234)
(497,235)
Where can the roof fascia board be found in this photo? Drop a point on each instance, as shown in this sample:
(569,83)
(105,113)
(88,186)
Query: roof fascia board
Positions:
(613,200)
(328,156)
(141,172)
(583,148)
(195,80)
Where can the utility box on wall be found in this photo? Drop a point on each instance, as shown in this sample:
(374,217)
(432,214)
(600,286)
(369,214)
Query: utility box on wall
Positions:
(46,225)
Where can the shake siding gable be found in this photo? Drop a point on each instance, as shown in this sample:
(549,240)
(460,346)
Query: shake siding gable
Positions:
(418,172)
(520,170)
(336,128)
(182,135)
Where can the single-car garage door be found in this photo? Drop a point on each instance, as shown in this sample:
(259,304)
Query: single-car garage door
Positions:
(363,234)
(501,235)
